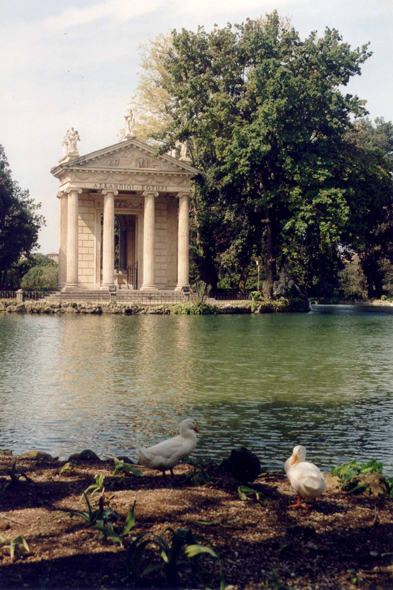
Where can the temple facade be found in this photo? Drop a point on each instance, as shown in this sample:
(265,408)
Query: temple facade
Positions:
(124,218)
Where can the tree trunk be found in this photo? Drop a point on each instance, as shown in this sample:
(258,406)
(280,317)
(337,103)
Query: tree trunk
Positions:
(270,257)
(242,281)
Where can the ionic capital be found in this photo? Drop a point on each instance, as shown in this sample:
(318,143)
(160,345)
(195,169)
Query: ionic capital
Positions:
(72,188)
(182,194)
(107,191)
(150,193)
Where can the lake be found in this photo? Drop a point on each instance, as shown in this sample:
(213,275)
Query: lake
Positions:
(267,382)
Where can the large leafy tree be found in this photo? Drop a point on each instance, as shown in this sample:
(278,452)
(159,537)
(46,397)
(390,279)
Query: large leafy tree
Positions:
(19,220)
(265,118)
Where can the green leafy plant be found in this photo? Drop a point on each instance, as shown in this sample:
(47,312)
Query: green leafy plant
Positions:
(91,516)
(356,577)
(389,481)
(198,476)
(67,469)
(122,467)
(183,547)
(246,493)
(256,295)
(107,529)
(96,487)
(191,308)
(348,474)
(15,547)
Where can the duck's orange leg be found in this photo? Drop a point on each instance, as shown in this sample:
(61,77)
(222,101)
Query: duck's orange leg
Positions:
(298,504)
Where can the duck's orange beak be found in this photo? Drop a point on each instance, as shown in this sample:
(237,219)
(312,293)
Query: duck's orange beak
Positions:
(197,430)
(294,459)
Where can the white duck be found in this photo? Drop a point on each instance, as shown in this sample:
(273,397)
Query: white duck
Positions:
(305,478)
(166,454)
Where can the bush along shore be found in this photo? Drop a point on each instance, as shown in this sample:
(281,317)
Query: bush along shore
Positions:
(191,308)
(91,524)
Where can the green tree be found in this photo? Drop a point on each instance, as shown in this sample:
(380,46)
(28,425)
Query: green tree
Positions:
(40,278)
(369,170)
(265,119)
(19,220)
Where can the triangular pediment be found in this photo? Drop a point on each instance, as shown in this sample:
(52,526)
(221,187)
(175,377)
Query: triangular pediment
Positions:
(129,155)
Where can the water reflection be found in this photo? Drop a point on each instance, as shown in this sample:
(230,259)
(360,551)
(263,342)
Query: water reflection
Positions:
(113,383)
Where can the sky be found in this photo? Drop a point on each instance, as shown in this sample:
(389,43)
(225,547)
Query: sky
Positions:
(75,63)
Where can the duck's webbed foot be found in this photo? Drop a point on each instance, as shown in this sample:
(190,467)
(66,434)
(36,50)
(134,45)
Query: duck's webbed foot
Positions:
(299,504)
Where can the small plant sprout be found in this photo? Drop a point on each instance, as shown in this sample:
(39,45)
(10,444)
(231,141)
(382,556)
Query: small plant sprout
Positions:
(246,493)
(96,487)
(183,547)
(100,514)
(107,529)
(67,469)
(122,467)
(15,547)
(356,577)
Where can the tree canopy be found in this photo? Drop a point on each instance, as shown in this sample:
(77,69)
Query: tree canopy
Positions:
(19,220)
(269,125)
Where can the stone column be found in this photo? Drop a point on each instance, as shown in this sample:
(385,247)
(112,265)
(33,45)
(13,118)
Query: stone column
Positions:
(183,250)
(62,265)
(148,242)
(108,240)
(72,239)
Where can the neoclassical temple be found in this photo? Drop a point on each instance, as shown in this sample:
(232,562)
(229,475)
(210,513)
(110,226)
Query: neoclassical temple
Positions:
(124,217)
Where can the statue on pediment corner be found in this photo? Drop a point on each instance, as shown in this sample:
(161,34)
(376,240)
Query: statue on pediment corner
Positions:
(183,150)
(70,140)
(130,124)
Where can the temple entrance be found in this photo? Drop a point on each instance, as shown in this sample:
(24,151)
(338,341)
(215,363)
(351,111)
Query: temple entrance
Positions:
(126,251)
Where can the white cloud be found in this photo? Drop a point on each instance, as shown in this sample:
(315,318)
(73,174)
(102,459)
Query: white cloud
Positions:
(119,9)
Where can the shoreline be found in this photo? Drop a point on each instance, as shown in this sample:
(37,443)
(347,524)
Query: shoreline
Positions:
(98,308)
(258,540)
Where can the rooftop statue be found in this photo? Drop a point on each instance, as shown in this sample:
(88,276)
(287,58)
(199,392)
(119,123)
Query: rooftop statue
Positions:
(130,123)
(69,143)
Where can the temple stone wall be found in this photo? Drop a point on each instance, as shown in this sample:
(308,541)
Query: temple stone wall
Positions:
(171,242)
(86,242)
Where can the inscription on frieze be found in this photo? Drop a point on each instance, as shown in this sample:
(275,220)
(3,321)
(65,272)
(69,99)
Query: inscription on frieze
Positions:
(131,187)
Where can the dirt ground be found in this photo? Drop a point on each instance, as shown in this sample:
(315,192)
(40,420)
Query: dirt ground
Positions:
(261,544)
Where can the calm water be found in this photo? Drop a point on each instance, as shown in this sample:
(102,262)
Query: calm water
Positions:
(268,382)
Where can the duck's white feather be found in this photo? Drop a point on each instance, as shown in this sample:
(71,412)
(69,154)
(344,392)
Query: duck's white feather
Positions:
(168,453)
(305,478)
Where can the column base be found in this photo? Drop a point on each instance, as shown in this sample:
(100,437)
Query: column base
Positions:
(148,288)
(108,287)
(182,288)
(71,287)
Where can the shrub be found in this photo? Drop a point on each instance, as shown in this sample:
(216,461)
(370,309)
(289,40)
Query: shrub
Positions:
(191,308)
(40,278)
(348,475)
